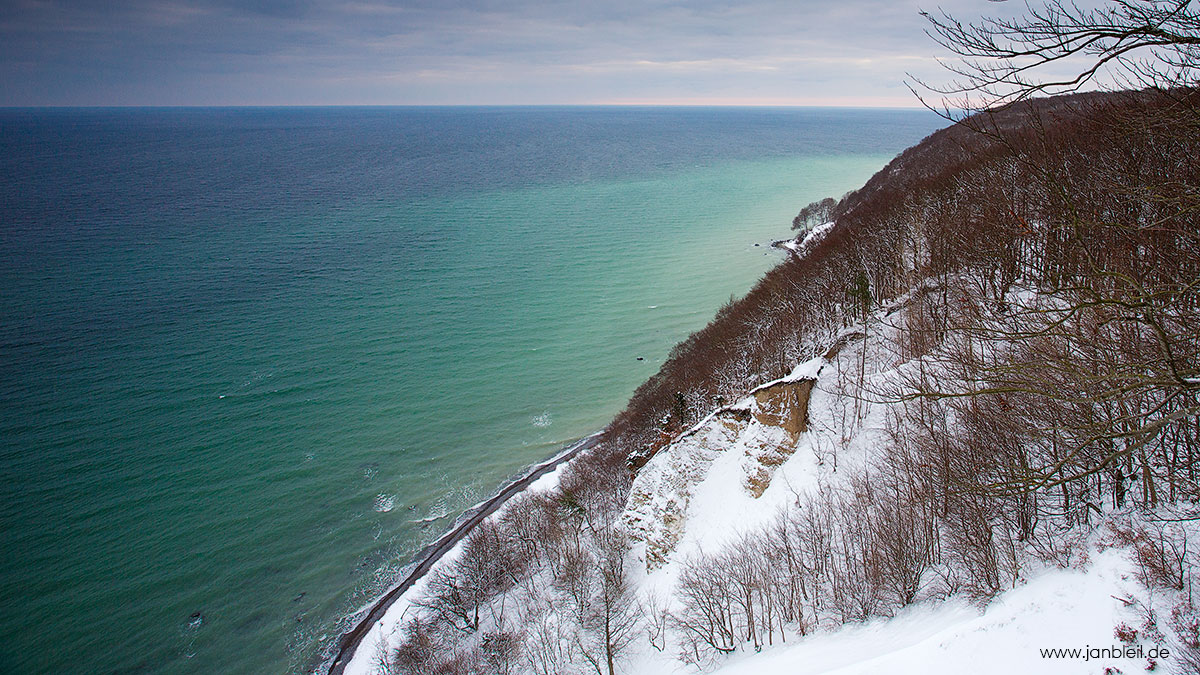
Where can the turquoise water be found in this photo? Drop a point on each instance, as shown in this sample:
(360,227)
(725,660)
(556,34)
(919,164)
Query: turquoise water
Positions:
(253,360)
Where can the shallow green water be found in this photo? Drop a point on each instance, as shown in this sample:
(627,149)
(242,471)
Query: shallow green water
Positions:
(258,412)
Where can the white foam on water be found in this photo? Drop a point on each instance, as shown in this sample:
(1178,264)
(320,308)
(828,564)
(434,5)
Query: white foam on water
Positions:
(431,519)
(439,510)
(385,503)
(543,420)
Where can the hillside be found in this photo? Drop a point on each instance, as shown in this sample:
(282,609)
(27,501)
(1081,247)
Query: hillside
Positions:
(971,402)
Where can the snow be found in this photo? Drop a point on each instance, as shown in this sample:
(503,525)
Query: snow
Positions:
(809,370)
(1053,609)
(1057,609)
(811,238)
(815,235)
(692,497)
(386,633)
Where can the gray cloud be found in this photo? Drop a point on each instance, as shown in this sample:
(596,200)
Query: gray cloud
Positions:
(462,51)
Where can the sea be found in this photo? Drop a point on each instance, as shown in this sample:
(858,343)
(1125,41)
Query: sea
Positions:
(253,359)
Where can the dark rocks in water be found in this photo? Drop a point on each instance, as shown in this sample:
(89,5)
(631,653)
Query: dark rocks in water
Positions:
(758,244)
(641,359)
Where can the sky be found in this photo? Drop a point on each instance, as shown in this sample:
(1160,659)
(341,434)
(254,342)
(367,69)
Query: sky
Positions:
(452,52)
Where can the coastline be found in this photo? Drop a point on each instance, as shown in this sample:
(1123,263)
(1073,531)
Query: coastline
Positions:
(393,243)
(426,558)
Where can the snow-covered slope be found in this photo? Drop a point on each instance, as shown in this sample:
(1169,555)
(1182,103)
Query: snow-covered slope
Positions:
(715,479)
(1060,609)
(734,472)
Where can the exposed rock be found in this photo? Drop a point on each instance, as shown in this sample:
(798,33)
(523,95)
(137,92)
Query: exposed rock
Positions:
(784,405)
(843,340)
(763,427)
(657,507)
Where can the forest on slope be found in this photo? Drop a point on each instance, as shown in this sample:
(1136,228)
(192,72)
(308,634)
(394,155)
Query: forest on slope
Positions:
(1030,276)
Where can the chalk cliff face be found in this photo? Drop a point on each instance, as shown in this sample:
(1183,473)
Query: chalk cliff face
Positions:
(762,430)
(784,405)
(888,472)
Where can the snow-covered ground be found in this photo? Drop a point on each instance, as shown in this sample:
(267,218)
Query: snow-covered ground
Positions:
(385,635)
(811,238)
(692,497)
(1059,609)
(737,469)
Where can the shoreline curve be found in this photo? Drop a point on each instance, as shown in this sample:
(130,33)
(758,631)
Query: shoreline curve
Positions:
(425,559)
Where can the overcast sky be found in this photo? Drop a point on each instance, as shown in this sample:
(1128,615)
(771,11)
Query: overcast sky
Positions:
(411,52)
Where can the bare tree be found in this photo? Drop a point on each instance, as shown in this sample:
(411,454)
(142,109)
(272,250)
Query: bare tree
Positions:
(816,213)
(550,638)
(1057,47)
(706,621)
(612,620)
(656,616)
(501,651)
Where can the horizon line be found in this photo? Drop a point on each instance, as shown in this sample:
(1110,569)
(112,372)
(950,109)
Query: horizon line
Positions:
(450,105)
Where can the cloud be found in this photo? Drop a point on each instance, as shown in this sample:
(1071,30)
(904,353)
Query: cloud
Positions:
(455,51)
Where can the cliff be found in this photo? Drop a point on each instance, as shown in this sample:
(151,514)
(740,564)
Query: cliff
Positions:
(980,384)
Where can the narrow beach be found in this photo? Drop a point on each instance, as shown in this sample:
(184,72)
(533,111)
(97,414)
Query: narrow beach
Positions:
(350,641)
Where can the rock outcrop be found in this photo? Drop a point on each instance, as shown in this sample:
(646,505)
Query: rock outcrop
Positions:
(764,427)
